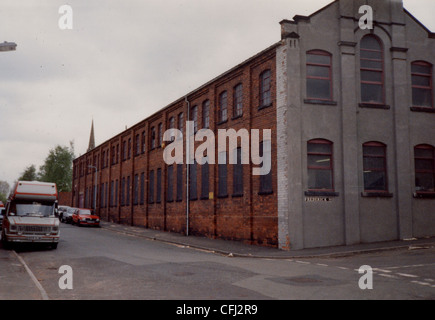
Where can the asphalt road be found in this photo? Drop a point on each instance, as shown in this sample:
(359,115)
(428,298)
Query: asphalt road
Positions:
(108,265)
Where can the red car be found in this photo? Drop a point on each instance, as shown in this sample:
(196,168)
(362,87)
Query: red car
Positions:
(85,217)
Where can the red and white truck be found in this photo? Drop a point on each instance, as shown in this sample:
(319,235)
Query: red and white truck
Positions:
(30,214)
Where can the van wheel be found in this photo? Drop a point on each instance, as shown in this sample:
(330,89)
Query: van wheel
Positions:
(54,246)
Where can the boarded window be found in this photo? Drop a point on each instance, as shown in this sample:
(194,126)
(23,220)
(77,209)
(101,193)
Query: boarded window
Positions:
(222,174)
(142,188)
(193,194)
(205,179)
(159,186)
(179,182)
(170,185)
(266,186)
(136,189)
(151,187)
(238,173)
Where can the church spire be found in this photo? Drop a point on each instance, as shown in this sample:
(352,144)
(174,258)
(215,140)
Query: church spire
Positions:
(91,138)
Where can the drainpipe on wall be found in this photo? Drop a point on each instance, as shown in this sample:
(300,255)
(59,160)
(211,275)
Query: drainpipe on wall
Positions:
(187,165)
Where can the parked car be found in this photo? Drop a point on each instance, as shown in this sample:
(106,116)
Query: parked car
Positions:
(2,211)
(85,217)
(60,212)
(66,214)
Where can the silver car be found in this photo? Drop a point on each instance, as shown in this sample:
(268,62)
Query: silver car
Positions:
(65,215)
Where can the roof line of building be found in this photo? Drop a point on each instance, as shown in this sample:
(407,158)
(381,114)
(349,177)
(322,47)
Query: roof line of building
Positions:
(182,99)
(298,18)
(430,33)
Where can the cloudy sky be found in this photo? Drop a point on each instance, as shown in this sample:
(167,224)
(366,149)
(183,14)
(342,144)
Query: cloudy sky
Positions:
(123,61)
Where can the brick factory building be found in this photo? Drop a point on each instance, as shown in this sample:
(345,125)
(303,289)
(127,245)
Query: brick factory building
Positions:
(352,119)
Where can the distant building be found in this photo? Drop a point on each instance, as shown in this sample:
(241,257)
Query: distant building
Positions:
(353,141)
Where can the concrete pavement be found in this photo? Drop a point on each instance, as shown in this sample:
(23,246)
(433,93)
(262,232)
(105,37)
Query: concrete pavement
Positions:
(239,249)
(14,277)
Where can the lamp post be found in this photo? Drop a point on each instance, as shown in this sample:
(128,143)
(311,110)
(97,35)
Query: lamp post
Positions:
(96,186)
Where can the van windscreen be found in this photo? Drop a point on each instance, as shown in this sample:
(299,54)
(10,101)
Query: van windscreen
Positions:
(32,209)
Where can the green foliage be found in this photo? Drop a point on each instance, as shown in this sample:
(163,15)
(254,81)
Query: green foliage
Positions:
(4,191)
(57,167)
(29,174)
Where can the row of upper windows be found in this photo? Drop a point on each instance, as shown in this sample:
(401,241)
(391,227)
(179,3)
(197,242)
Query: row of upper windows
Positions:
(321,169)
(156,135)
(372,75)
(265,100)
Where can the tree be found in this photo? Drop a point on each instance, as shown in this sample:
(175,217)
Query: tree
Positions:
(57,167)
(29,174)
(4,191)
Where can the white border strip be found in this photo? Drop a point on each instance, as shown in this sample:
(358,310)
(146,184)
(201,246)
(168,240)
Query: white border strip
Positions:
(32,276)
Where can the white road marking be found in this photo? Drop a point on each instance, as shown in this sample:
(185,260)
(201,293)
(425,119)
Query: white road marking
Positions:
(422,283)
(382,270)
(322,264)
(409,266)
(388,276)
(32,276)
(303,262)
(407,275)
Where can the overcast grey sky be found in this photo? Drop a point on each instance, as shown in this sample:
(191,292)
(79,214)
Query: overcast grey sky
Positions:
(123,61)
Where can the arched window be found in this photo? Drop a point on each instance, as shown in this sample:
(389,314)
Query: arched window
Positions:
(194,118)
(181,124)
(265,89)
(153,138)
(319,75)
(160,127)
(206,114)
(172,126)
(375,167)
(320,165)
(421,73)
(372,70)
(238,101)
(424,158)
(223,105)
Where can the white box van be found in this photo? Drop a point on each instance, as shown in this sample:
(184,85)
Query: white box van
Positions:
(31,214)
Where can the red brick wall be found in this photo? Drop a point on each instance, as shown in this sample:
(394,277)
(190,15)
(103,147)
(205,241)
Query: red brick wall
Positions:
(65,198)
(251,218)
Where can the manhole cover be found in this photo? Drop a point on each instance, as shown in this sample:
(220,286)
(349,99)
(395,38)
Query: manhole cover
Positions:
(307,280)
(303,280)
(183,274)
